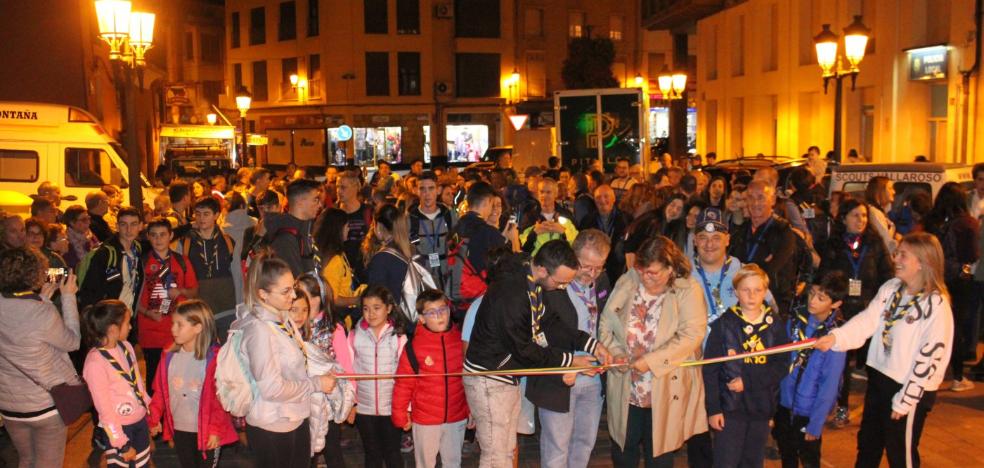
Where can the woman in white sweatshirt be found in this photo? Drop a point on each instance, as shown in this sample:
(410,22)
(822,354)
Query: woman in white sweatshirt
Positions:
(911,329)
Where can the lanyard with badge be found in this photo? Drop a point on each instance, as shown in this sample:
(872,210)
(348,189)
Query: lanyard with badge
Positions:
(856,258)
(714,293)
(433,240)
(757,239)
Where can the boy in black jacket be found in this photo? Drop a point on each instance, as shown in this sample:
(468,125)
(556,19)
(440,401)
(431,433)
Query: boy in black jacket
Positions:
(741,395)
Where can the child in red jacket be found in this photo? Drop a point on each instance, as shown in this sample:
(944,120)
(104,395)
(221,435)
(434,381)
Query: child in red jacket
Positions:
(184,390)
(439,409)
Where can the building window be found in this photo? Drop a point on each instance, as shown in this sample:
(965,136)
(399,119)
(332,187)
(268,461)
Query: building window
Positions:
(770,56)
(257,26)
(234,28)
(375,17)
(211,90)
(189,45)
(211,48)
(313,22)
(237,77)
(408,70)
(477,75)
(260,92)
(314,75)
(533,22)
(615,28)
(288,67)
(575,24)
(408,16)
(738,47)
(477,18)
(377,74)
(536,73)
(288,22)
(712,55)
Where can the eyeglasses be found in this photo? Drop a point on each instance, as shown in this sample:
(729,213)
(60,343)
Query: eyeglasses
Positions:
(592,269)
(438,312)
(652,275)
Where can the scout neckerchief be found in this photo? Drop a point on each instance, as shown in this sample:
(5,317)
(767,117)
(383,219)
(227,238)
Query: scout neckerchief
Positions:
(22,295)
(129,375)
(713,293)
(587,296)
(895,312)
(535,292)
(751,332)
(856,252)
(164,274)
(211,266)
(289,331)
(757,238)
(801,319)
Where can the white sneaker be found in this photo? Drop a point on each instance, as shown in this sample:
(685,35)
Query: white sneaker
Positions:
(962,385)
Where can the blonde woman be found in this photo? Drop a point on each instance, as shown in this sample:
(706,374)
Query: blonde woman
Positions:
(911,329)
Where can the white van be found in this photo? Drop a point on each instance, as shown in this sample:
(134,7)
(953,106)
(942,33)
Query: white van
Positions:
(908,177)
(62,144)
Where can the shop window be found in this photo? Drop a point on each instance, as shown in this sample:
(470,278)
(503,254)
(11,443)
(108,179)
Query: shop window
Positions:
(90,167)
(466,143)
(313,19)
(378,144)
(477,75)
(374,16)
(234,29)
(257,26)
(477,18)
(18,165)
(408,16)
(288,22)
(377,74)
(408,69)
(260,92)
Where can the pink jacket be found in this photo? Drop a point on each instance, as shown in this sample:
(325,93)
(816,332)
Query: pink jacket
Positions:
(212,418)
(112,395)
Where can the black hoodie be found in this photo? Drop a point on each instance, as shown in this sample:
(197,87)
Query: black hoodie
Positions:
(290,238)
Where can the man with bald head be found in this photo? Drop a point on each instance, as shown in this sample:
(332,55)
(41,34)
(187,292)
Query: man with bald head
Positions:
(547,220)
(767,240)
(613,222)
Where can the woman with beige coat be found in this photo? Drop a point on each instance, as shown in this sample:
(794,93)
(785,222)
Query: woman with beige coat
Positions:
(655,319)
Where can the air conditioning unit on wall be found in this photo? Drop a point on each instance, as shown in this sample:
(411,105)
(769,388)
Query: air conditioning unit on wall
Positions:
(443,11)
(442,88)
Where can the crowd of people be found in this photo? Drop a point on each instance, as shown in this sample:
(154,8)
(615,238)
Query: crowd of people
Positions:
(453,279)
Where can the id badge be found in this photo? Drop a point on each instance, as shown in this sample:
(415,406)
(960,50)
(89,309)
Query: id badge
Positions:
(434,260)
(541,340)
(854,287)
(809,213)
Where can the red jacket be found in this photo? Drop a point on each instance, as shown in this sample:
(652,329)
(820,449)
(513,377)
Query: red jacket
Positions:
(435,400)
(212,418)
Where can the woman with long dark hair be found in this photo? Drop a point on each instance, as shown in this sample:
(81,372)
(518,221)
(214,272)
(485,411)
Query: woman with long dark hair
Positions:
(389,251)
(880,194)
(951,223)
(330,232)
(855,249)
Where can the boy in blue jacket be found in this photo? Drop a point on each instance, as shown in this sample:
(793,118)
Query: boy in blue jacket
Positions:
(740,396)
(809,392)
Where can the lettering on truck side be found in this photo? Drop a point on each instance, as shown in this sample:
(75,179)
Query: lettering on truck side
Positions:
(926,177)
(18,115)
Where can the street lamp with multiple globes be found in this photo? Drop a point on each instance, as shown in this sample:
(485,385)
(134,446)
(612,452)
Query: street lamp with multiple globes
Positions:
(672,84)
(129,35)
(243,101)
(856,37)
(513,83)
(299,85)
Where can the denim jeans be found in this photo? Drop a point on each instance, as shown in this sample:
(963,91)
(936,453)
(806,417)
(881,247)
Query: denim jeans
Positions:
(495,409)
(567,438)
(444,439)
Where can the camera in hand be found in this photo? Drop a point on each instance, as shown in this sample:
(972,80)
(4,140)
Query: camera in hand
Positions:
(56,275)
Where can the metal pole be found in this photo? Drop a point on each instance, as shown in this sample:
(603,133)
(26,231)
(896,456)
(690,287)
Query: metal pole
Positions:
(243,157)
(130,139)
(838,105)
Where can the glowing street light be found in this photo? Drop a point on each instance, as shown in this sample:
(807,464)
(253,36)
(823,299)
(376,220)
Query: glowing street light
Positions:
(856,36)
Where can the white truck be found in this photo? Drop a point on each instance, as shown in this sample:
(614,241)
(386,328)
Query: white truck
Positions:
(62,144)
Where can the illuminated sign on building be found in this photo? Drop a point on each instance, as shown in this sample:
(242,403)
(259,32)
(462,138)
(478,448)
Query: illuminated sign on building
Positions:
(928,63)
